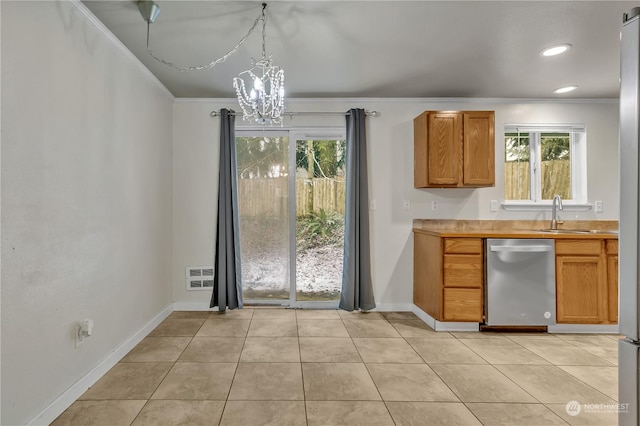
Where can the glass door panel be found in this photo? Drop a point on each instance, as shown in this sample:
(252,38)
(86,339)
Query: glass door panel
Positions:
(319,210)
(263,206)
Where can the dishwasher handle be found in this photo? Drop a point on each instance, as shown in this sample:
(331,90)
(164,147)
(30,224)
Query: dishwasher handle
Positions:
(521,249)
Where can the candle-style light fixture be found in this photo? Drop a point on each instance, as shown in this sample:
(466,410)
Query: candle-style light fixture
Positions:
(264,103)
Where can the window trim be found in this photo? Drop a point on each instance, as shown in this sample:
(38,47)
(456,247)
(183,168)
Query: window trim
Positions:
(578,142)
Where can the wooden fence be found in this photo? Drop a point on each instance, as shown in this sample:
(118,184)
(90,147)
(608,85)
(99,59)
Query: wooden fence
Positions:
(269,197)
(556,179)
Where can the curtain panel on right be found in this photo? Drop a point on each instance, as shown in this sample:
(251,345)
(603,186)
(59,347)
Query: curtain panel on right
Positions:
(357,287)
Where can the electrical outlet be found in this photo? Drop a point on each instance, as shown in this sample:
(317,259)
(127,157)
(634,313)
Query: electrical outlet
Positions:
(599,206)
(83,330)
(406,205)
(434,205)
(373,205)
(494,206)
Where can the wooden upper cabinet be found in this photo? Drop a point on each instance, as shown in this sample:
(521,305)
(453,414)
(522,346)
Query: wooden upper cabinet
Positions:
(454,149)
(443,150)
(479,158)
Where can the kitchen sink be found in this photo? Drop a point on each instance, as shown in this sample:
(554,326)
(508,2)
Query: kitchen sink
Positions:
(578,231)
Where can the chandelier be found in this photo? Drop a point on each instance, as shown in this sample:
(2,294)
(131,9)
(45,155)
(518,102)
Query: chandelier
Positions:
(265,101)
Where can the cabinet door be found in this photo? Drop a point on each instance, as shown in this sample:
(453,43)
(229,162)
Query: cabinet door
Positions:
(427,273)
(612,288)
(580,289)
(444,148)
(479,149)
(462,304)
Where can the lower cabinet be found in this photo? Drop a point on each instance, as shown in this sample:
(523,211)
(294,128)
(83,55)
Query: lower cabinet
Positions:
(611,249)
(448,277)
(586,282)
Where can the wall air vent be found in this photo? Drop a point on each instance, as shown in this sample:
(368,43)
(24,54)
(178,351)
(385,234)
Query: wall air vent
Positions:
(199,277)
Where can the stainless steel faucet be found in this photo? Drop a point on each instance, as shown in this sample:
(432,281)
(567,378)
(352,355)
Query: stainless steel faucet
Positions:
(554,213)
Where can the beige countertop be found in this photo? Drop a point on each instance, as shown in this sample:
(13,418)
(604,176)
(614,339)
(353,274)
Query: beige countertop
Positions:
(591,229)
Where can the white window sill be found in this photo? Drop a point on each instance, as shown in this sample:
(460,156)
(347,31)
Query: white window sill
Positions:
(566,206)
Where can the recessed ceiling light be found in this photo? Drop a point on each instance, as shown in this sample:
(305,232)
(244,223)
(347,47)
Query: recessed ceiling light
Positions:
(555,50)
(565,89)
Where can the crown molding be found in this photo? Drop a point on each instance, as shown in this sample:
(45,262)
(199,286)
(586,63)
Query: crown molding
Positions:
(317,101)
(93,21)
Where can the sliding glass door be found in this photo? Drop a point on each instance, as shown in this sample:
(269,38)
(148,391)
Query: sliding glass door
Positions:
(291,197)
(319,215)
(263,206)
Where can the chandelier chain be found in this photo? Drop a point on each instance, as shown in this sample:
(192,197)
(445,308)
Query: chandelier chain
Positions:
(221,59)
(264,31)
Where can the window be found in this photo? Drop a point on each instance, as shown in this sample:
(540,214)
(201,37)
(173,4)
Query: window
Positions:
(542,161)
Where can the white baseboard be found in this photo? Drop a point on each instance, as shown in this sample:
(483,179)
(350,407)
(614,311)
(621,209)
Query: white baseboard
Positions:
(380,307)
(193,306)
(64,401)
(584,328)
(444,326)
(393,307)
(428,319)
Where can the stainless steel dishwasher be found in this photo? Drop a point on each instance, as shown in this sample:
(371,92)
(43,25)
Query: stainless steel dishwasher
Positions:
(520,282)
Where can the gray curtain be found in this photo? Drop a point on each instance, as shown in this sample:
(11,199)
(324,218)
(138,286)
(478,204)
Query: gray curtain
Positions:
(357,288)
(227,282)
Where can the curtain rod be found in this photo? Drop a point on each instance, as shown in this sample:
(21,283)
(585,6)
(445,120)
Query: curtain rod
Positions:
(291,114)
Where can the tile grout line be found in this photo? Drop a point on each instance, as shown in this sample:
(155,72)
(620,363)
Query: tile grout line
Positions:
(235,372)
(168,371)
(304,392)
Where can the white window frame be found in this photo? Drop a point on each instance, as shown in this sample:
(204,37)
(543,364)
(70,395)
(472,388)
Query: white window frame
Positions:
(578,159)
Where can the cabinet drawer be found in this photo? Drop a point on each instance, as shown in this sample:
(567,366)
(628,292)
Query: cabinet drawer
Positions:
(463,245)
(579,247)
(611,246)
(463,270)
(462,304)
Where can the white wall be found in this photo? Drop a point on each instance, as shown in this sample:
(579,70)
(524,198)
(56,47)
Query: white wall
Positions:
(390,143)
(86,200)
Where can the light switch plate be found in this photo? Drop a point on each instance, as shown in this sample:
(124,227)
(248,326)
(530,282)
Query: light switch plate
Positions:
(406,204)
(599,206)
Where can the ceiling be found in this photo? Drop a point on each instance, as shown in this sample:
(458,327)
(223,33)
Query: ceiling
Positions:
(383,49)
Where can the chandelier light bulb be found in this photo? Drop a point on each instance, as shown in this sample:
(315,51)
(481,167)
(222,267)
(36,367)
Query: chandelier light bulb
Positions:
(257,84)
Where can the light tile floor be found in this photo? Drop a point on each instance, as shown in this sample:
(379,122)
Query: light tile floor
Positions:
(311,367)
